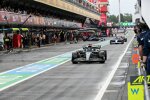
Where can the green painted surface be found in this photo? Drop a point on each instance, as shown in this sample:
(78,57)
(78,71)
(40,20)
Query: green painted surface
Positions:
(8,79)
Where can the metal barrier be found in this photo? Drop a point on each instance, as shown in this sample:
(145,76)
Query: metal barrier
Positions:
(142,71)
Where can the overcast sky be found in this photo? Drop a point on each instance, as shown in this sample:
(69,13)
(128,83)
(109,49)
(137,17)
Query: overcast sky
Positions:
(127,6)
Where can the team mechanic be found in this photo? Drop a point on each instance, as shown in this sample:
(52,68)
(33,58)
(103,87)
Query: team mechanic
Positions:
(142,48)
(146,52)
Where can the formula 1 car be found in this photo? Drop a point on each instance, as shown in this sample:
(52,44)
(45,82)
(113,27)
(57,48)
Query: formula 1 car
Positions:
(124,38)
(89,54)
(102,39)
(117,40)
(121,30)
(93,38)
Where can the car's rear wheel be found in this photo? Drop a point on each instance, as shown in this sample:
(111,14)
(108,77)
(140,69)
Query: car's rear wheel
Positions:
(74,62)
(105,54)
(1,48)
(102,62)
(110,42)
(74,56)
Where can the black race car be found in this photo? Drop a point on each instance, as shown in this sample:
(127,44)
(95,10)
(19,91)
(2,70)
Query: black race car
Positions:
(103,34)
(89,54)
(93,38)
(117,40)
(102,39)
(121,30)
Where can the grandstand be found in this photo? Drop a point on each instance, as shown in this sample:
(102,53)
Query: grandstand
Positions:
(46,13)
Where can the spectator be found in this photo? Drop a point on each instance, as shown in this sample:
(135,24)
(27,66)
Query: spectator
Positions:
(7,42)
(2,38)
(11,42)
(55,38)
(43,38)
(75,37)
(65,37)
(39,40)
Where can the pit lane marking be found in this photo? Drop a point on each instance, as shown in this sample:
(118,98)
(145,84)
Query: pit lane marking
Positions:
(20,74)
(110,76)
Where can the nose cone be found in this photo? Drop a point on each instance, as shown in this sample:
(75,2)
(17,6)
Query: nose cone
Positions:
(88,55)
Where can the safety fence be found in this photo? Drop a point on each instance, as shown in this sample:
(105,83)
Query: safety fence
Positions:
(140,82)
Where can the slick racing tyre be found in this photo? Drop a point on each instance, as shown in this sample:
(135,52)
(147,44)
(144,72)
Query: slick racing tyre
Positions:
(102,62)
(105,54)
(74,56)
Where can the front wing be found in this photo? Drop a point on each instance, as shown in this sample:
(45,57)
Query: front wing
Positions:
(90,60)
(116,42)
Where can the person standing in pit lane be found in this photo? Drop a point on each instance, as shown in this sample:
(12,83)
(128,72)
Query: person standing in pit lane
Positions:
(146,53)
(7,42)
(140,38)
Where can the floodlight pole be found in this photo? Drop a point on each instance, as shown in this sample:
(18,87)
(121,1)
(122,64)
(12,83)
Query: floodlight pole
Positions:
(119,20)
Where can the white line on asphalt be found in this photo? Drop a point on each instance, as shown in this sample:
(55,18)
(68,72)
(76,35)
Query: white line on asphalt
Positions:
(107,82)
(111,90)
(119,76)
(118,83)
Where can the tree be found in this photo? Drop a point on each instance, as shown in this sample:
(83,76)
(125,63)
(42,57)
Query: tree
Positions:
(124,18)
(112,18)
(127,17)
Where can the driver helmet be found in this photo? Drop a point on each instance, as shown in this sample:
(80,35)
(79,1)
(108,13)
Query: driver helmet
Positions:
(90,45)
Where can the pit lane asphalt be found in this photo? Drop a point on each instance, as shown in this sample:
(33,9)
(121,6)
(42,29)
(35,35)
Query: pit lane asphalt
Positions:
(66,82)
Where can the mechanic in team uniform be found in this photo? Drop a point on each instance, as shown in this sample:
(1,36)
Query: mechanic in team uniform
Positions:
(140,38)
(144,46)
(146,53)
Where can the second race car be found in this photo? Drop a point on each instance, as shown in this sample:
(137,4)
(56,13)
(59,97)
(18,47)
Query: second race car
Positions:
(117,40)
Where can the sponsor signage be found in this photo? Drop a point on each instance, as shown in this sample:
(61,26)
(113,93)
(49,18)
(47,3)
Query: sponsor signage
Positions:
(135,92)
(139,80)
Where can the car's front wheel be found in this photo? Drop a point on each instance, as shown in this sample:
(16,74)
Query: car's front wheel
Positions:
(74,56)
(74,62)
(110,42)
(105,54)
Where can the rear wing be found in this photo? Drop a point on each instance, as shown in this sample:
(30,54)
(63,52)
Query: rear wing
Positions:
(93,46)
